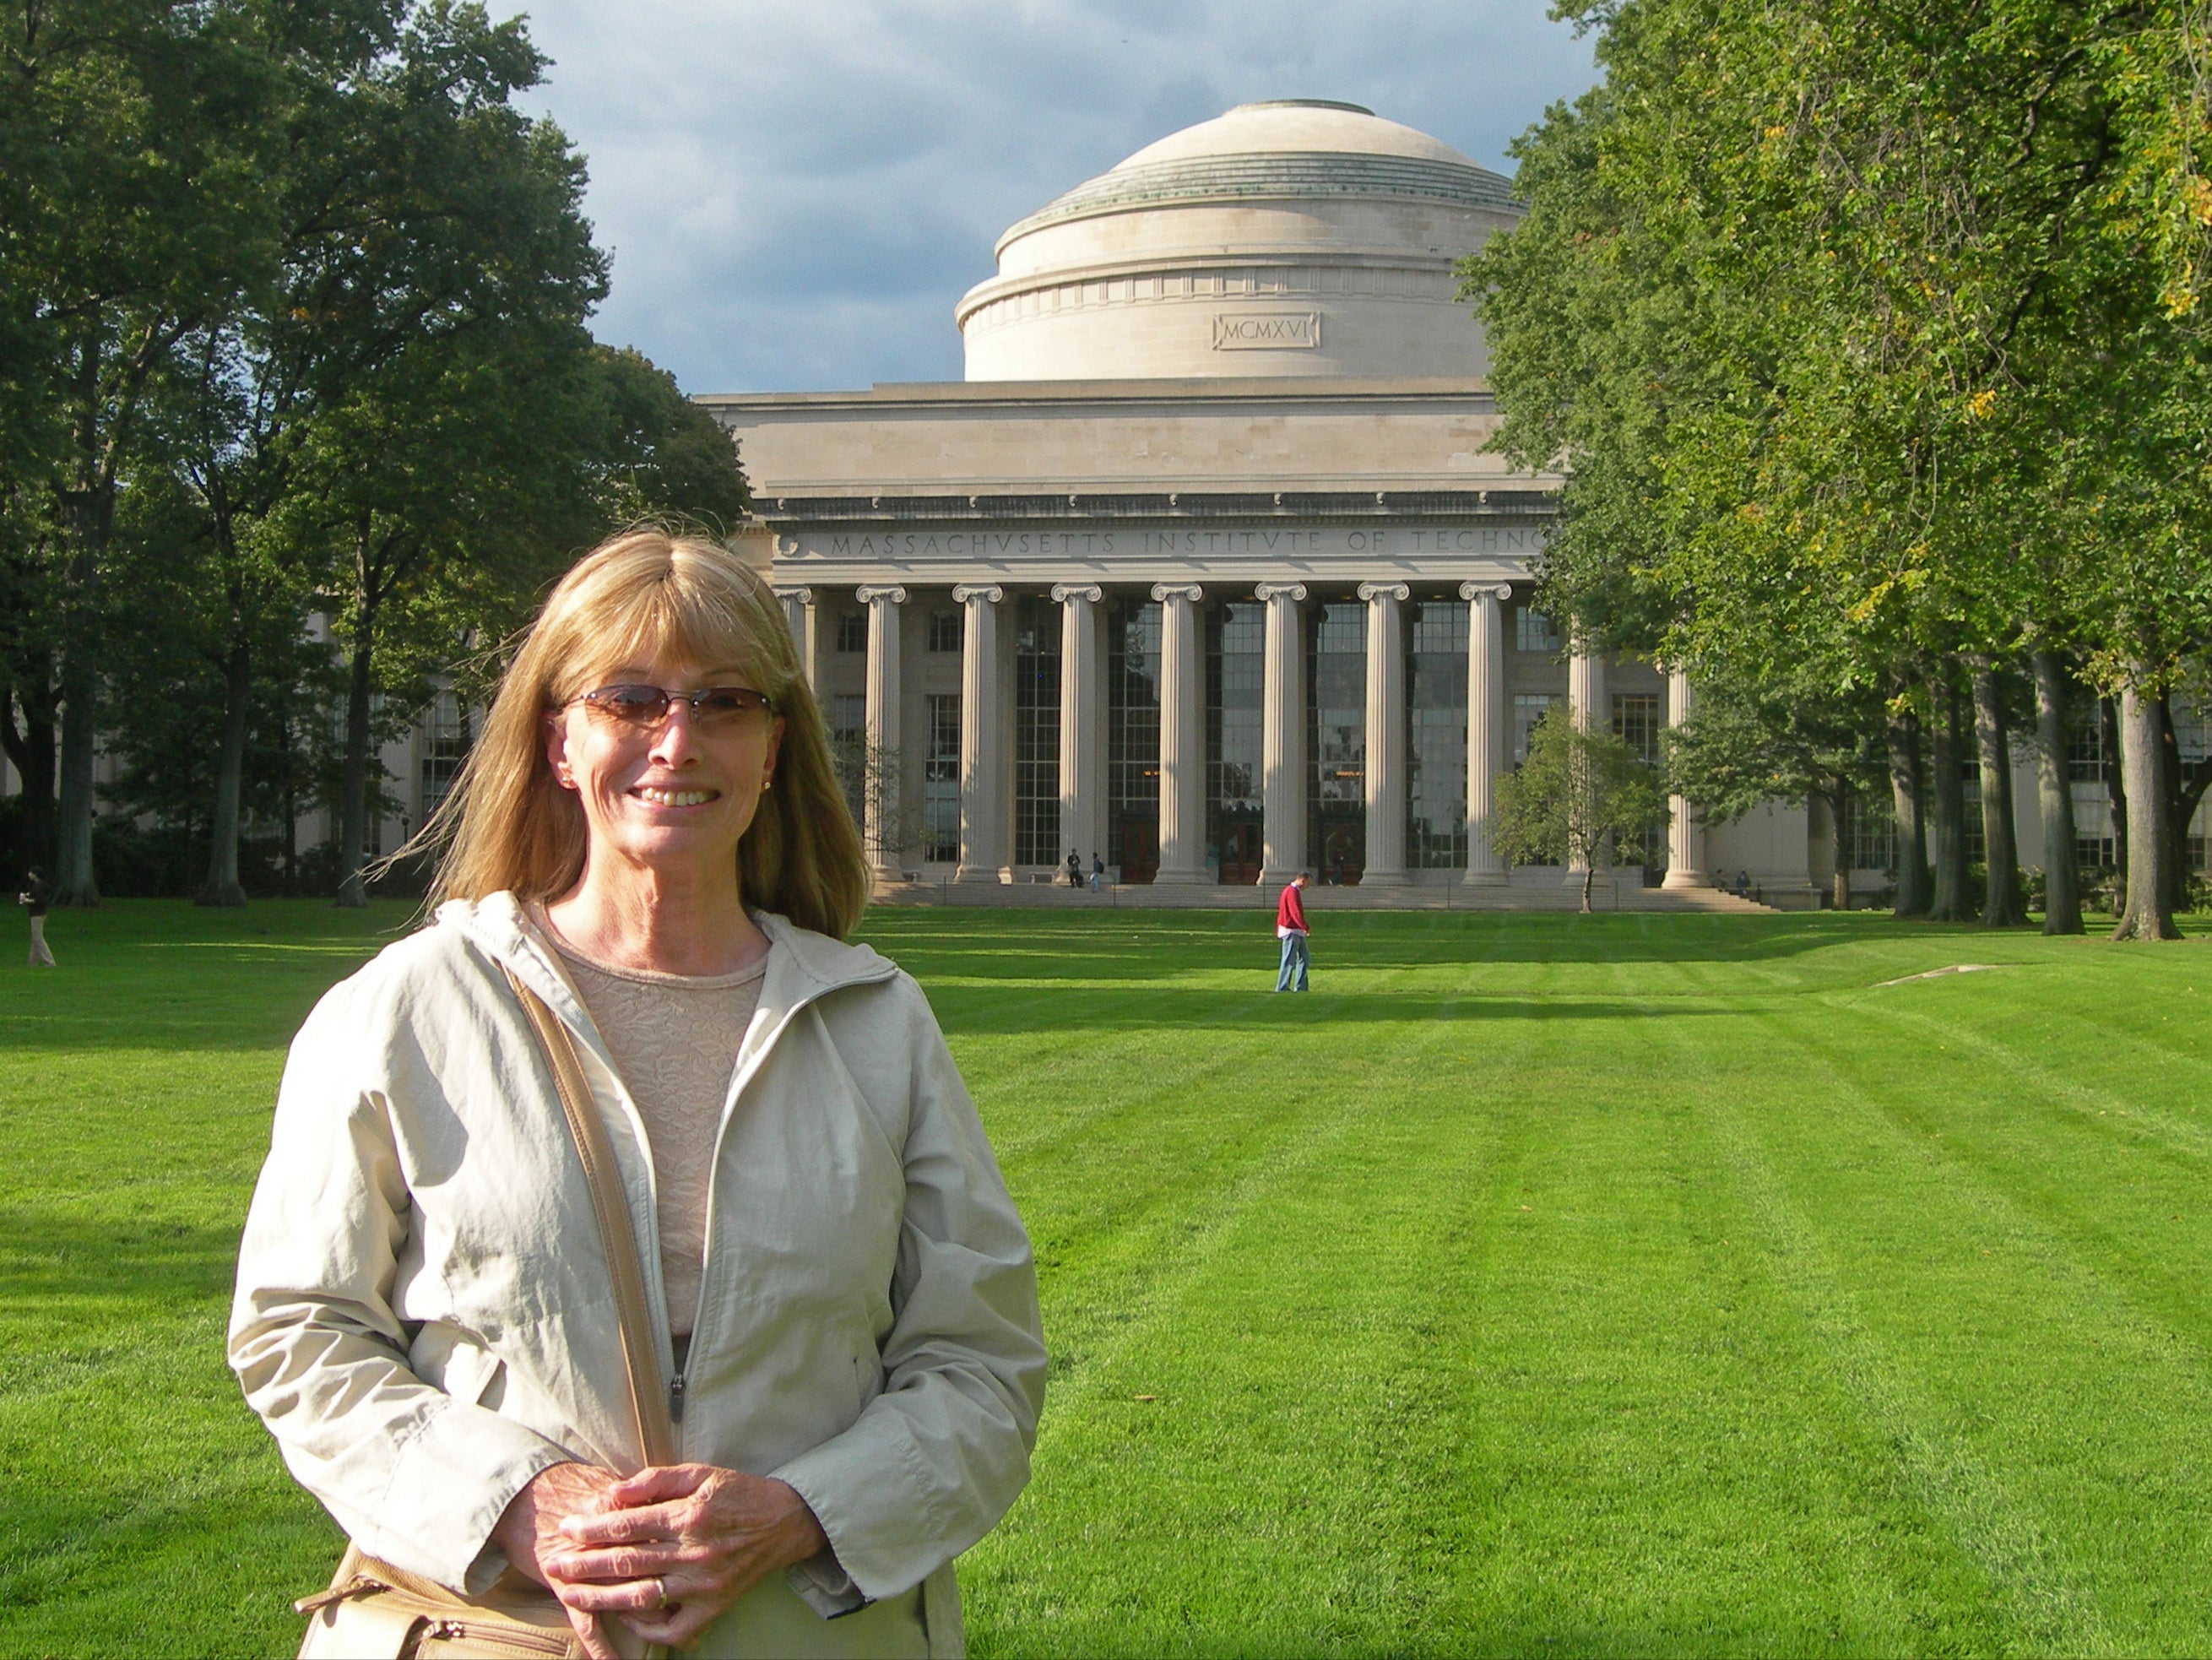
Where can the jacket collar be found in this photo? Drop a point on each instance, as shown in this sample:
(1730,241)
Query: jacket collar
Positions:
(802,966)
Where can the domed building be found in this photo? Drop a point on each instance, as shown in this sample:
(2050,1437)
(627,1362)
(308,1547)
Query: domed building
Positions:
(1204,570)
(1286,239)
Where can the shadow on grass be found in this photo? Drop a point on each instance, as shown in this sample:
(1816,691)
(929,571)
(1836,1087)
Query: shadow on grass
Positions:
(44,1254)
(976,1010)
(1135,946)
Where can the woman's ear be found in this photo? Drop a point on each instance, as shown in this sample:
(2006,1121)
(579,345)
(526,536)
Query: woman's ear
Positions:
(556,750)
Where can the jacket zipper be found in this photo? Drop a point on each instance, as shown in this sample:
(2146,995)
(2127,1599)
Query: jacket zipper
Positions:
(676,1383)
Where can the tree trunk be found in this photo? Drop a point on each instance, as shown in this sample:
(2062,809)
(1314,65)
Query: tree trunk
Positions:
(73,883)
(291,844)
(1906,786)
(2183,792)
(1949,905)
(1839,882)
(353,787)
(89,512)
(31,751)
(2146,914)
(221,886)
(2116,791)
(2002,906)
(1589,874)
(2054,798)
(1820,847)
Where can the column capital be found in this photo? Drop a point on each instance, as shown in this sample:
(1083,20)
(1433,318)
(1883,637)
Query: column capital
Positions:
(1373,590)
(1294,592)
(1500,591)
(990,592)
(1064,591)
(1167,591)
(892,591)
(802,595)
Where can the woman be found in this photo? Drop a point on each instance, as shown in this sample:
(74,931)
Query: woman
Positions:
(648,837)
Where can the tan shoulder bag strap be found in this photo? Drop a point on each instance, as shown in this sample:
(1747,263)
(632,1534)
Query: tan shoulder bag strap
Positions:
(649,1394)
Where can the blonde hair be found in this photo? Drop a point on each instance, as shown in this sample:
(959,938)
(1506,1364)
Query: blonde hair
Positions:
(643,596)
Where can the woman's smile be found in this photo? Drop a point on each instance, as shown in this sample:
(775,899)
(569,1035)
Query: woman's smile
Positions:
(669,795)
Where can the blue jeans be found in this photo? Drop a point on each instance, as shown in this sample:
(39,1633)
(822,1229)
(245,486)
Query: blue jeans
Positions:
(1295,960)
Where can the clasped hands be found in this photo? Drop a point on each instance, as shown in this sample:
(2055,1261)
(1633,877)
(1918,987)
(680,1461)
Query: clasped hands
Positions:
(665,1551)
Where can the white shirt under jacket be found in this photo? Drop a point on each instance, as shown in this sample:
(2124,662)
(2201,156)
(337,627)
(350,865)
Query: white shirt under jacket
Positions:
(424,1318)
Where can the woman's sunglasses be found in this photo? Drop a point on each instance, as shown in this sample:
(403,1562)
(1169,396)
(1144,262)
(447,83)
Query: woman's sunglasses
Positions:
(648,706)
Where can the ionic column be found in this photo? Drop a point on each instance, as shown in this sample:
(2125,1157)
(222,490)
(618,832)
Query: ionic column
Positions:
(1686,828)
(981,845)
(1283,735)
(1488,742)
(1182,737)
(1082,720)
(1384,775)
(1586,708)
(798,617)
(885,689)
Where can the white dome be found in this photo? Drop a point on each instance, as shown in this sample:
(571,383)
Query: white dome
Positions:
(1292,238)
(1295,123)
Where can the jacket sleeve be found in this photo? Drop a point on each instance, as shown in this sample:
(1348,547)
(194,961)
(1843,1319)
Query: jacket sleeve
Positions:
(412,1475)
(933,1461)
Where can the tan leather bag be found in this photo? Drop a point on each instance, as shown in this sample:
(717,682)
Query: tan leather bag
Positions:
(373,1611)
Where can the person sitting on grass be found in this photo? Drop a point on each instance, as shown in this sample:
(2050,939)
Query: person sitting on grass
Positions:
(1291,929)
(650,873)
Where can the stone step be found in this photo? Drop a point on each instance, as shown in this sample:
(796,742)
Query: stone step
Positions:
(1526,892)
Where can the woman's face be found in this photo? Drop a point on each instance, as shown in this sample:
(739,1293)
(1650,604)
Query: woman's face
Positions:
(671,793)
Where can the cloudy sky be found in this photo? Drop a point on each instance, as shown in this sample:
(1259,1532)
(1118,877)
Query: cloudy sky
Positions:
(796,192)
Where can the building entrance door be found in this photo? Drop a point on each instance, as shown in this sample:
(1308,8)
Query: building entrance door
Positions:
(1141,847)
(1242,851)
(1343,852)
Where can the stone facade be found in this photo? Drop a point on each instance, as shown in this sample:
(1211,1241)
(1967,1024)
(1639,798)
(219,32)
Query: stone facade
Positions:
(1204,570)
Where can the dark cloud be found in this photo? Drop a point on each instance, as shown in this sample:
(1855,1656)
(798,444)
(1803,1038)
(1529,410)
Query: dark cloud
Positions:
(796,194)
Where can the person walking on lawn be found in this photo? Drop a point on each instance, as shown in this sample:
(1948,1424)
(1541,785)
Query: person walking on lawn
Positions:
(34,898)
(1291,929)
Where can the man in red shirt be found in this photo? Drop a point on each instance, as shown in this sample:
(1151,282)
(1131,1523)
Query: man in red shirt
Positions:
(1291,929)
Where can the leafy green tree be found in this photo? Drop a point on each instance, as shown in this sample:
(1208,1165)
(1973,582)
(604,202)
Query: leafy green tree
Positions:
(139,139)
(1578,792)
(1737,750)
(438,470)
(1827,313)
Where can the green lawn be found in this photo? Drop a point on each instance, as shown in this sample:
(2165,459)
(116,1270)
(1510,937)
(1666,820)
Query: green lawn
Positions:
(1618,1284)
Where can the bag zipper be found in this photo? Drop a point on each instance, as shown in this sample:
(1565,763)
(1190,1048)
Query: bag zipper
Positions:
(452,1631)
(360,1585)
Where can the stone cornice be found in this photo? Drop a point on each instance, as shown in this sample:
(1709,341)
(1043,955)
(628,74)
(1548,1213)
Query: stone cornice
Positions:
(784,511)
(1066,396)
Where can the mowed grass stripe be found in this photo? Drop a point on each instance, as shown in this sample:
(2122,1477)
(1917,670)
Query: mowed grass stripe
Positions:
(1396,1412)
(2040,1595)
(2127,1195)
(1709,1467)
(1266,1332)
(2001,1317)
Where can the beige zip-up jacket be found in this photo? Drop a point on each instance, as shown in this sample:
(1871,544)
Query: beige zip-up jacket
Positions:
(424,1318)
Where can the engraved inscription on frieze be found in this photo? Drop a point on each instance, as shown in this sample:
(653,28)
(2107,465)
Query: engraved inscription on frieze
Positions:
(1264,331)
